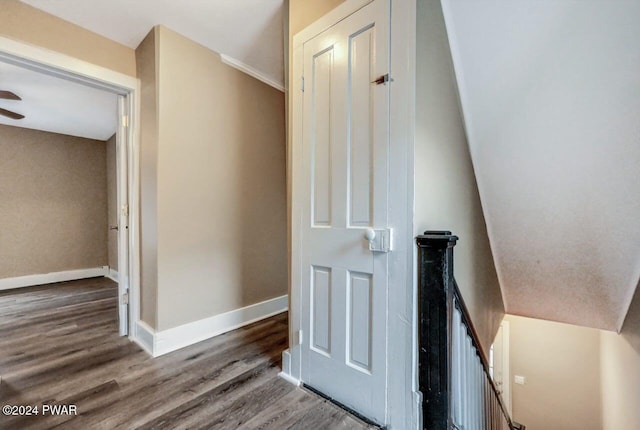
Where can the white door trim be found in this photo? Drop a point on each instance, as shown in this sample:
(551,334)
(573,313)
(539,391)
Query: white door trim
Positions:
(348,7)
(405,405)
(506,365)
(122,211)
(70,68)
(402,392)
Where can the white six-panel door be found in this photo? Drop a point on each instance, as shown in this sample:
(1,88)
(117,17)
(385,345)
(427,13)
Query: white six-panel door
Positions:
(345,159)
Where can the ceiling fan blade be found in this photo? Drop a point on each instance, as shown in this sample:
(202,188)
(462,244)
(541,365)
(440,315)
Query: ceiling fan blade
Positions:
(8,95)
(10,114)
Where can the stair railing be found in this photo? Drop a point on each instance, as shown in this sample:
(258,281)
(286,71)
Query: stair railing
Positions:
(457,389)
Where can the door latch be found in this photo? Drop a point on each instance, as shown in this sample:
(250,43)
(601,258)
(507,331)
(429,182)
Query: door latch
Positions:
(382,79)
(380,240)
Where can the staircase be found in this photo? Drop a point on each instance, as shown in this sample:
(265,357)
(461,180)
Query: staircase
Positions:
(457,389)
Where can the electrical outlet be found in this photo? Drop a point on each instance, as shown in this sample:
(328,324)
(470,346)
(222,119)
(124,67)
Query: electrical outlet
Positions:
(520,380)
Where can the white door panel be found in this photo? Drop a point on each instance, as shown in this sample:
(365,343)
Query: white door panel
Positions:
(345,159)
(346,245)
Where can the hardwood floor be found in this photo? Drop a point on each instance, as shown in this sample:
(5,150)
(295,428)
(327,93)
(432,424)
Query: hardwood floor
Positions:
(59,345)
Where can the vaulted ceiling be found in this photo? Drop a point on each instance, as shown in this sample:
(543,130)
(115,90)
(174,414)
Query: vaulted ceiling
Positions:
(249,31)
(550,92)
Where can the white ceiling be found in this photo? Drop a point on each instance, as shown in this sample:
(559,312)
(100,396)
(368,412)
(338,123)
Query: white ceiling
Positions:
(551,98)
(57,105)
(250,31)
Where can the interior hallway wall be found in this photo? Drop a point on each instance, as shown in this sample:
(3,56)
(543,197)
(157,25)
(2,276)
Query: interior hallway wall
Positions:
(304,12)
(146,64)
(215,171)
(561,363)
(620,372)
(53,202)
(28,24)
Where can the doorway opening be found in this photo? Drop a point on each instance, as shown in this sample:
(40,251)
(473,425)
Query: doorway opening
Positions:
(80,89)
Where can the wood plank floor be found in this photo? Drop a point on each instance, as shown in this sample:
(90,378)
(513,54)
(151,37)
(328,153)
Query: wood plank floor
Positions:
(59,345)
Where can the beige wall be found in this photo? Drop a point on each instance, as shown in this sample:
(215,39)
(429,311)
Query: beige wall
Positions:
(53,202)
(580,378)
(620,373)
(112,203)
(217,168)
(28,24)
(562,365)
(146,63)
(446,191)
(305,12)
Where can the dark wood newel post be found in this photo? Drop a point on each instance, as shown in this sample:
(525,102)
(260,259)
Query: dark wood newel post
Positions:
(435,309)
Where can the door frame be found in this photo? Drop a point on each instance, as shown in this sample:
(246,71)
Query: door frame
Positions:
(506,364)
(122,210)
(66,67)
(403,397)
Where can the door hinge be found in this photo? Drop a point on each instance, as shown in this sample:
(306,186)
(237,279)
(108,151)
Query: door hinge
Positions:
(382,80)
(125,120)
(297,337)
(302,84)
(125,299)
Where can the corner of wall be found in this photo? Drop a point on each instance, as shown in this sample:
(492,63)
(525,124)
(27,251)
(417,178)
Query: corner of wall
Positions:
(147,66)
(160,342)
(620,372)
(446,193)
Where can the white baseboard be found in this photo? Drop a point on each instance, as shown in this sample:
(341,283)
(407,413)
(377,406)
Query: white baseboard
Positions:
(166,341)
(286,369)
(50,278)
(417,405)
(113,275)
(286,362)
(144,336)
(290,379)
